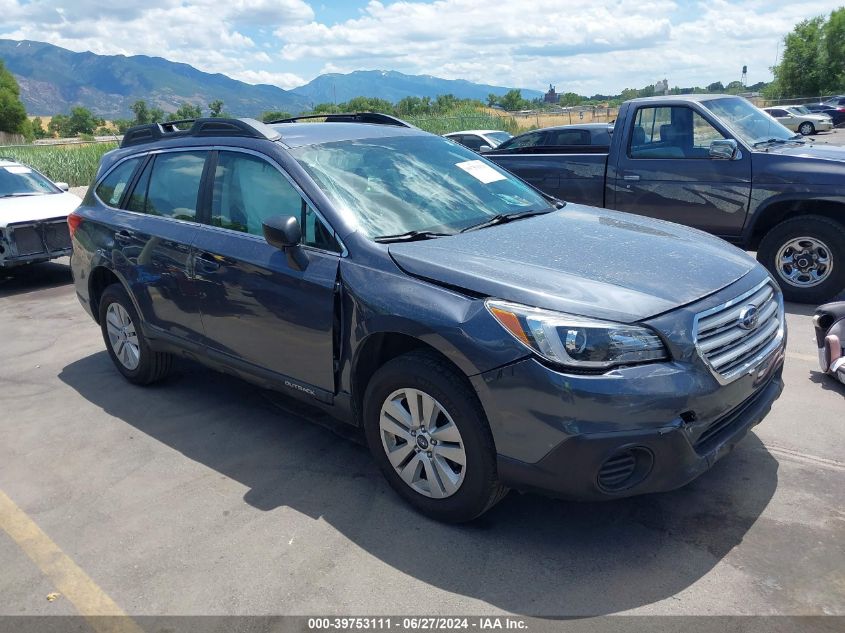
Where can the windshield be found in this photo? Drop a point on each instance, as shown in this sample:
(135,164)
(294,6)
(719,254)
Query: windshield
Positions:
(499,137)
(19,180)
(798,110)
(751,124)
(394,185)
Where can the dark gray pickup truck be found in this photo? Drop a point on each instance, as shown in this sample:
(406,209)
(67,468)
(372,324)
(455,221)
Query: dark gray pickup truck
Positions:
(717,163)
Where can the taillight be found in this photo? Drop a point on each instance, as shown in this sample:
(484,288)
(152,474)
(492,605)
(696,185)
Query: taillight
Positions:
(73,222)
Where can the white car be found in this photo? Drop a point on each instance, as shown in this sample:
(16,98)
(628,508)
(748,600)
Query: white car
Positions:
(805,123)
(33,216)
(477,139)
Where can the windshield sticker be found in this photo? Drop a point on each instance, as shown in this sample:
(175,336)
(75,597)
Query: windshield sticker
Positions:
(17,169)
(481,171)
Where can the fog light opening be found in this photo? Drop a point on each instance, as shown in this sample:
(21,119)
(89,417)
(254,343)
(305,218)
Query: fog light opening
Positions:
(625,469)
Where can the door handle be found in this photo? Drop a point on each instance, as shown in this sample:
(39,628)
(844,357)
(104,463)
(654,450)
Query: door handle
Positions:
(631,177)
(207,263)
(123,236)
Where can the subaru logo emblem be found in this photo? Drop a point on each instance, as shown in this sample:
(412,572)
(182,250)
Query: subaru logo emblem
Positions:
(748,317)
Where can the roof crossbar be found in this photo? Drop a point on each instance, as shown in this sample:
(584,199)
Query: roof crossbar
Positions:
(350,117)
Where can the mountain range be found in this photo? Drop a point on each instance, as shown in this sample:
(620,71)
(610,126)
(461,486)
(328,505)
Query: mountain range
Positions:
(54,79)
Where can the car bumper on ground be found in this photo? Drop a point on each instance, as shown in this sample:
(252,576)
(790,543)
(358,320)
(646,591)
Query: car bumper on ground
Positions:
(561,435)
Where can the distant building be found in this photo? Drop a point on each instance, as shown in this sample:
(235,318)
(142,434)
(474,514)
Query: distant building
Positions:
(551,96)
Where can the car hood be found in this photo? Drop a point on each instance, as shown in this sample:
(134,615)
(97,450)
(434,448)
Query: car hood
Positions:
(33,208)
(581,260)
(817,151)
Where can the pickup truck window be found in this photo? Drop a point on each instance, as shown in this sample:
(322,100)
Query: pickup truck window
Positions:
(671,132)
(749,123)
(526,140)
(568,137)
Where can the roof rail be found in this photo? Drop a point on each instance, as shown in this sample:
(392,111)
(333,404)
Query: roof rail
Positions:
(219,126)
(350,117)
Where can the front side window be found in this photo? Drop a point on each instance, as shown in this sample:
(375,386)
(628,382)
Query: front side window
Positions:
(671,132)
(111,188)
(248,190)
(472,141)
(392,185)
(173,185)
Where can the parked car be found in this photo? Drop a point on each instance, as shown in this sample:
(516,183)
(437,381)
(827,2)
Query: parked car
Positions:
(478,140)
(717,163)
(33,215)
(589,134)
(484,335)
(805,123)
(836,113)
(837,101)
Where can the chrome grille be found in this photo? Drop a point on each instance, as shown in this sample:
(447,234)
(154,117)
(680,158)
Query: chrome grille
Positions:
(730,347)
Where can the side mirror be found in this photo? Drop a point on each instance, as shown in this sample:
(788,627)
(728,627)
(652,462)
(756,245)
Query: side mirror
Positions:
(282,231)
(725,149)
(62,185)
(484,148)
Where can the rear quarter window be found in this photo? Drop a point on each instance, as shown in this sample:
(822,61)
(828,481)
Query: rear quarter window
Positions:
(111,188)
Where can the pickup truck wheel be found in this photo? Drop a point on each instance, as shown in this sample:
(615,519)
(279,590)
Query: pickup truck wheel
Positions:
(428,434)
(807,128)
(125,342)
(806,255)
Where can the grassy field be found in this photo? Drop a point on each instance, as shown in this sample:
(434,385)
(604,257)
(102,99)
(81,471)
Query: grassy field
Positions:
(73,164)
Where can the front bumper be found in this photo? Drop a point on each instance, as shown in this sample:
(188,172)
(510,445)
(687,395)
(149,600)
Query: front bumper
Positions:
(670,458)
(31,242)
(572,435)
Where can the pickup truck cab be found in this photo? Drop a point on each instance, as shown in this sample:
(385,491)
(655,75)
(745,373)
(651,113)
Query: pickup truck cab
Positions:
(716,163)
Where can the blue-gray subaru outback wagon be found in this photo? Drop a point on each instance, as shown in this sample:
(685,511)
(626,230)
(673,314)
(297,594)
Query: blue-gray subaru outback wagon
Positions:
(484,336)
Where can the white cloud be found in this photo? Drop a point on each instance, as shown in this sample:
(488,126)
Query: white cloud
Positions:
(282,80)
(585,46)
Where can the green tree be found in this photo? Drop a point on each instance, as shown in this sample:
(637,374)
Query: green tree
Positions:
(12,111)
(185,111)
(141,111)
(570,99)
(157,115)
(216,108)
(803,69)
(492,100)
(716,86)
(38,130)
(80,121)
(122,125)
(512,100)
(275,115)
(834,45)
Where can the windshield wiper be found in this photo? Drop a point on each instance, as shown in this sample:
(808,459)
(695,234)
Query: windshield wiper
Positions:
(410,236)
(504,218)
(779,141)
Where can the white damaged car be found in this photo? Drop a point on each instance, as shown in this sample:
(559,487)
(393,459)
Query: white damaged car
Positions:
(33,216)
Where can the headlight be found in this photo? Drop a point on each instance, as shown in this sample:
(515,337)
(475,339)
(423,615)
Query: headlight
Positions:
(577,342)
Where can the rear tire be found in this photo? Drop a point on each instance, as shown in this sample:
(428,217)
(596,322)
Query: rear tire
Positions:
(807,129)
(819,275)
(430,481)
(129,350)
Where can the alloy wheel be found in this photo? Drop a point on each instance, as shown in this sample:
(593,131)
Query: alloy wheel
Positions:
(422,443)
(122,336)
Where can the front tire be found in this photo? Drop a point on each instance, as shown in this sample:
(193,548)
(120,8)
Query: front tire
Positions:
(430,438)
(129,350)
(807,129)
(806,255)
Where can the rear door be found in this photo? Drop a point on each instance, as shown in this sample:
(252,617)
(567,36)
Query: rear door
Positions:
(260,311)
(664,170)
(152,236)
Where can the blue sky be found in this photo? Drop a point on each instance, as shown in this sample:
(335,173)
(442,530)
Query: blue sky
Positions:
(586,46)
